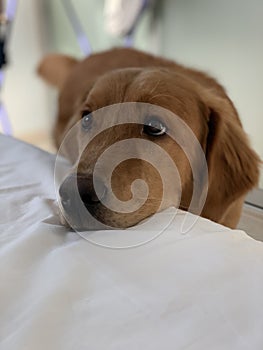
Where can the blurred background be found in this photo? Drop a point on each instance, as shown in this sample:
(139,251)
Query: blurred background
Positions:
(223,38)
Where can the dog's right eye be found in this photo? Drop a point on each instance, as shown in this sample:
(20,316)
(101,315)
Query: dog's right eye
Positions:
(154,127)
(86,120)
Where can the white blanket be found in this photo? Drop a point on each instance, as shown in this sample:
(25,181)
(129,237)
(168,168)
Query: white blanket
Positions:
(198,290)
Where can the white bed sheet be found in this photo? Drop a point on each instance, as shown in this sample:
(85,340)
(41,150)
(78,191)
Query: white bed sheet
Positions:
(200,290)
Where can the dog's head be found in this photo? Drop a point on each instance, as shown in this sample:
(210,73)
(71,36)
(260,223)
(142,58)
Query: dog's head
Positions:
(149,118)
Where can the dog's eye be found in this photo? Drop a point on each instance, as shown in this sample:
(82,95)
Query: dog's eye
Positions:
(154,127)
(86,120)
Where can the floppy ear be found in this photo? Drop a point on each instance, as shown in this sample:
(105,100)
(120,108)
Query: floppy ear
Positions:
(232,164)
(55,68)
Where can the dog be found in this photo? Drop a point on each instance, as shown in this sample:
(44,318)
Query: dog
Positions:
(125,75)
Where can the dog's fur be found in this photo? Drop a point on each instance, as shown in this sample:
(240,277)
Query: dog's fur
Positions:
(128,75)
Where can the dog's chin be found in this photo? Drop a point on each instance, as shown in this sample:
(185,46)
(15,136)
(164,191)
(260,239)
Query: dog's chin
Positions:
(100,219)
(91,219)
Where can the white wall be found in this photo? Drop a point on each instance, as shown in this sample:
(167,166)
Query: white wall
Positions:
(24,95)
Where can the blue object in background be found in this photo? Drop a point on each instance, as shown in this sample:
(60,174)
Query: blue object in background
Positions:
(5,30)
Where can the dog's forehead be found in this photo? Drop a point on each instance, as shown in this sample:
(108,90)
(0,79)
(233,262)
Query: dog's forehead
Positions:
(110,88)
(157,86)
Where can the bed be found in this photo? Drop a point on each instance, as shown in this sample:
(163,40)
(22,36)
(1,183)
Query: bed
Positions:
(201,289)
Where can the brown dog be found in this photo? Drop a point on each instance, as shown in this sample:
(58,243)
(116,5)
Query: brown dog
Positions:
(127,75)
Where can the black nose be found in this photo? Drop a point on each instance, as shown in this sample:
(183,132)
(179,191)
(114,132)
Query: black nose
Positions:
(87,192)
(75,186)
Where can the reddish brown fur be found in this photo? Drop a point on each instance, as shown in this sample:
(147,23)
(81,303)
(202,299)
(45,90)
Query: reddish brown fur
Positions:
(127,75)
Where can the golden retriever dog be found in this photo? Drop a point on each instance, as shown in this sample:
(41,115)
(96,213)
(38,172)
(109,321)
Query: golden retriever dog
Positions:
(124,75)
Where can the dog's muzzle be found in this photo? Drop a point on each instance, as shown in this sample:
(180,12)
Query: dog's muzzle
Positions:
(79,198)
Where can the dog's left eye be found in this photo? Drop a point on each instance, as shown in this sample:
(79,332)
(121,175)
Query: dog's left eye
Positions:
(86,120)
(154,127)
